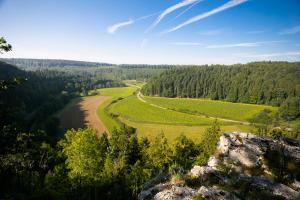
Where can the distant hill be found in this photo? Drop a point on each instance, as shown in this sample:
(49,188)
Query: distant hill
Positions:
(48,63)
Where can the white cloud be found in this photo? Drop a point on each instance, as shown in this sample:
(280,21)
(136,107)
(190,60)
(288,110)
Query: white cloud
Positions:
(114,28)
(245,44)
(186,43)
(144,43)
(225,6)
(190,7)
(293,30)
(170,10)
(270,55)
(218,46)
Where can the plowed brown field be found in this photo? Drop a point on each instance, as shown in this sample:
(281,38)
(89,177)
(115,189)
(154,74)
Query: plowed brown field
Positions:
(83,113)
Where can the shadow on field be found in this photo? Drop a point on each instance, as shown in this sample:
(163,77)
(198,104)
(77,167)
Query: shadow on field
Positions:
(82,113)
(74,117)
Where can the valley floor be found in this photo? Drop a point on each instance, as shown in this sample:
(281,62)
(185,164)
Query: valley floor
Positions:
(154,115)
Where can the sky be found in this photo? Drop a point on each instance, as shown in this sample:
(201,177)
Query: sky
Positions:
(153,31)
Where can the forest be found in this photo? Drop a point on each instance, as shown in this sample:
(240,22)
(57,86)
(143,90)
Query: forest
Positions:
(49,63)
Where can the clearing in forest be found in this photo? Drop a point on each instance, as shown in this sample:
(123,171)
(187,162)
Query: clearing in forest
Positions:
(151,120)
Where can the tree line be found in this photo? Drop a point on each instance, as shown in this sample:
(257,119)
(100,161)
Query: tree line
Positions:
(49,63)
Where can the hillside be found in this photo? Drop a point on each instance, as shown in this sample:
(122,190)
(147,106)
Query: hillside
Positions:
(244,166)
(49,63)
(257,83)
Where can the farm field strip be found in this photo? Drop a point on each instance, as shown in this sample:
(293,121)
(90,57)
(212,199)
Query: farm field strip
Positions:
(172,131)
(225,111)
(151,118)
(134,110)
(140,96)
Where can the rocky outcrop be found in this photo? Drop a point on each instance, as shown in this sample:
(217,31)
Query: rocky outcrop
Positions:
(240,168)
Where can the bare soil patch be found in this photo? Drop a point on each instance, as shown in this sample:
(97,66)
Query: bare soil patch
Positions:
(83,113)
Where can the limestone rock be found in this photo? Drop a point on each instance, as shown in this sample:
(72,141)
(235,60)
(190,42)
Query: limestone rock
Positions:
(237,155)
(175,193)
(215,193)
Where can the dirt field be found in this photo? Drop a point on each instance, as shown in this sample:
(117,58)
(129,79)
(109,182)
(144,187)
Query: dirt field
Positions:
(83,113)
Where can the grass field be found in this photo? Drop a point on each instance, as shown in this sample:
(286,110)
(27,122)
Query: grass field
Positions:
(188,116)
(134,110)
(221,109)
(117,92)
(102,110)
(173,131)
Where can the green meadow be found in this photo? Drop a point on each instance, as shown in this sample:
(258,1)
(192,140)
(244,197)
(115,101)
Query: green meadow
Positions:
(212,108)
(103,109)
(119,92)
(192,117)
(132,109)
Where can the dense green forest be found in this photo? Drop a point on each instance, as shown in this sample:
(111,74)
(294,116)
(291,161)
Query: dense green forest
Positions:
(99,70)
(48,63)
(272,83)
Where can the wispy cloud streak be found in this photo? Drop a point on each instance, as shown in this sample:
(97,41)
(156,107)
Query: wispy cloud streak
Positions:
(293,30)
(225,6)
(186,43)
(270,55)
(170,10)
(245,44)
(144,43)
(190,7)
(115,27)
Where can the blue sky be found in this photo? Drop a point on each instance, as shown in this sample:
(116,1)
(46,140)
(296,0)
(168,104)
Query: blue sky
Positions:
(153,31)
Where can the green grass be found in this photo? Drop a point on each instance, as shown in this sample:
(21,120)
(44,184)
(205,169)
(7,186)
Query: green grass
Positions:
(172,131)
(102,110)
(221,109)
(134,110)
(107,120)
(117,92)
(150,120)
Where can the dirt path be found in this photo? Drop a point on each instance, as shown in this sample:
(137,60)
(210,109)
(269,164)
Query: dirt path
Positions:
(83,113)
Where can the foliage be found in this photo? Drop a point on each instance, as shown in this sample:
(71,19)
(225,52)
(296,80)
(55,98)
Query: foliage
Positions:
(262,122)
(83,151)
(258,82)
(4,46)
(207,147)
(290,108)
(184,151)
